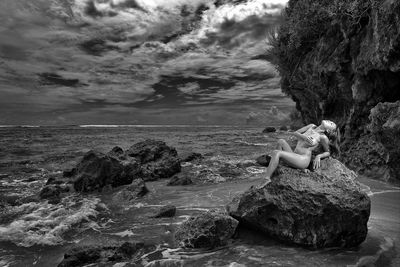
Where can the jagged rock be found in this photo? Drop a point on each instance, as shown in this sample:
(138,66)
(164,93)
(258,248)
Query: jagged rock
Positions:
(208,230)
(385,125)
(166,211)
(376,154)
(131,192)
(156,158)
(105,255)
(269,129)
(97,170)
(53,192)
(263,160)
(180,179)
(117,153)
(326,208)
(192,157)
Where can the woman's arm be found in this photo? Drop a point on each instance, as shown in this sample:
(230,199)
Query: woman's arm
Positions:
(299,133)
(325,145)
(305,128)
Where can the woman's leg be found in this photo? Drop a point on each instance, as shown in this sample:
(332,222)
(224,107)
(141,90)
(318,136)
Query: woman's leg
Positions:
(283,145)
(293,159)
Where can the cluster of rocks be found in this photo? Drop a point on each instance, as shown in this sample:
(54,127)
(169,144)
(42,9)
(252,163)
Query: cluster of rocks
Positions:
(326,208)
(144,161)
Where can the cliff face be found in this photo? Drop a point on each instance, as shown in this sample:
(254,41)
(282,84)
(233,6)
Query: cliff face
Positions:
(338,59)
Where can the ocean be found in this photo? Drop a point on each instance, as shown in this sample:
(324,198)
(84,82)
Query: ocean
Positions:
(39,233)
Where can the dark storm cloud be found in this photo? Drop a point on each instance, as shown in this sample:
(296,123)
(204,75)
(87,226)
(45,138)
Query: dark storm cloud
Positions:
(64,60)
(232,33)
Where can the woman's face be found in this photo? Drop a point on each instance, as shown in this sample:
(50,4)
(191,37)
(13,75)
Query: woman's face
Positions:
(330,126)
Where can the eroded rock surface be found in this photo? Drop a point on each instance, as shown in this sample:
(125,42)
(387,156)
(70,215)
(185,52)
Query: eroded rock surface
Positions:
(208,230)
(326,208)
(131,192)
(156,158)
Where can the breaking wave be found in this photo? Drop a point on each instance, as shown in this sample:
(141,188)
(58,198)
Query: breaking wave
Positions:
(44,224)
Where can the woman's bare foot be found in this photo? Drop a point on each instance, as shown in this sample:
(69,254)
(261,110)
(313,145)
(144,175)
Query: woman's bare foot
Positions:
(264,184)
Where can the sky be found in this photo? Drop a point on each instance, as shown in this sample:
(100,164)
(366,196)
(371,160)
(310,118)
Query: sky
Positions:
(139,62)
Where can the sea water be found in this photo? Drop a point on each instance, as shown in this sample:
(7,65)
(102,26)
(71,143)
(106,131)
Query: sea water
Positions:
(39,233)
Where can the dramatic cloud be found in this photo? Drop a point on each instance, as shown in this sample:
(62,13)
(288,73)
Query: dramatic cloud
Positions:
(136,61)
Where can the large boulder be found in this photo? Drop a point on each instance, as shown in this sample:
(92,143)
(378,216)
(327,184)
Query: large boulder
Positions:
(326,208)
(208,230)
(97,170)
(156,158)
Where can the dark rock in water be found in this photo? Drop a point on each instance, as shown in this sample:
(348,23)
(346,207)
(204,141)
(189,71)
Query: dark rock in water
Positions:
(283,128)
(180,179)
(326,208)
(263,160)
(150,150)
(208,230)
(246,163)
(156,158)
(68,173)
(166,211)
(117,153)
(53,192)
(269,129)
(135,190)
(97,170)
(229,170)
(192,157)
(105,255)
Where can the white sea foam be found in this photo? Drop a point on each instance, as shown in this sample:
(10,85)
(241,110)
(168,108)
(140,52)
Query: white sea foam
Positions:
(124,233)
(256,169)
(44,223)
(252,144)
(386,251)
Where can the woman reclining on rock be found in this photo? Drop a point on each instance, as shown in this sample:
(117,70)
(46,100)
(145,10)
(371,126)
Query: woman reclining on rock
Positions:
(309,137)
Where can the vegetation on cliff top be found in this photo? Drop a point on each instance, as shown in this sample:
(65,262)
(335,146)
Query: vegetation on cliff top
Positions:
(325,47)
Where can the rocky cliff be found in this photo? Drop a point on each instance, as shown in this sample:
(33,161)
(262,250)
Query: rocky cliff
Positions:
(338,60)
